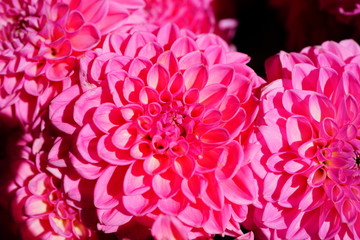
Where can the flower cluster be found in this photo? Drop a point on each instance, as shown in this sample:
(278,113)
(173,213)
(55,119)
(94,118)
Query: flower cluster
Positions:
(138,119)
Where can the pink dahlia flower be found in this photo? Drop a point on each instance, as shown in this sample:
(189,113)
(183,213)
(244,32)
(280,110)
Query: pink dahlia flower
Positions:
(38,203)
(153,131)
(39,43)
(309,166)
(40,209)
(197,16)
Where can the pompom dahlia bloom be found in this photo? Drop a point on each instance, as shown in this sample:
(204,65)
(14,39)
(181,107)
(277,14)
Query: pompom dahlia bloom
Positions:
(154,130)
(197,16)
(40,209)
(39,42)
(309,166)
(38,203)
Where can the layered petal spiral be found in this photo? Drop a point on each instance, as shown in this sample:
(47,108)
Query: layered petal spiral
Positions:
(309,131)
(157,128)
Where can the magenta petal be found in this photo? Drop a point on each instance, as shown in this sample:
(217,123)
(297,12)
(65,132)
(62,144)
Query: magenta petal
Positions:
(195,77)
(85,169)
(320,107)
(97,69)
(195,215)
(184,166)
(298,131)
(169,61)
(74,22)
(114,17)
(87,38)
(241,189)
(183,46)
(139,67)
(125,136)
(136,181)
(194,187)
(131,112)
(107,191)
(222,74)
(218,220)
(35,69)
(107,116)
(214,194)
(36,86)
(329,222)
(214,137)
(168,227)
(314,198)
(114,216)
(140,204)
(217,55)
(86,105)
(59,71)
(39,184)
(168,34)
(117,62)
(132,88)
(36,206)
(59,110)
(166,184)
(158,77)
(79,189)
(192,59)
(232,158)
(136,41)
(86,142)
(176,84)
(156,164)
(349,212)
(173,205)
(60,226)
(151,51)
(212,95)
(148,95)
(108,152)
(229,107)
(191,96)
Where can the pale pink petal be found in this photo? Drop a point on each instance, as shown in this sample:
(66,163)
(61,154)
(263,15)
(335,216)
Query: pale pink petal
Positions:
(195,214)
(109,196)
(168,227)
(194,187)
(135,180)
(61,70)
(156,164)
(87,38)
(182,46)
(166,184)
(125,136)
(158,77)
(212,95)
(195,77)
(140,204)
(173,205)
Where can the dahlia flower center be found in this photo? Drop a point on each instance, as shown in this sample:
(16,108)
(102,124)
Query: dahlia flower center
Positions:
(357,158)
(21,25)
(169,128)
